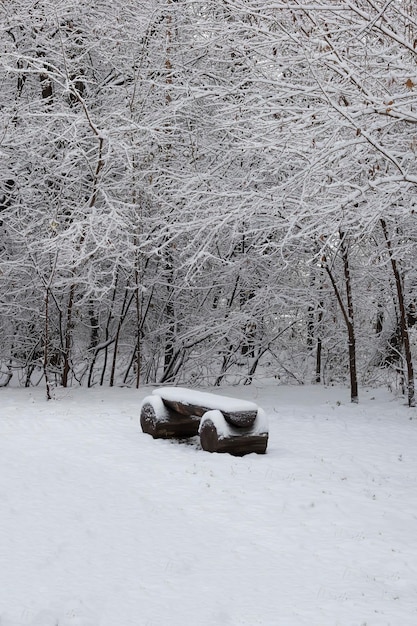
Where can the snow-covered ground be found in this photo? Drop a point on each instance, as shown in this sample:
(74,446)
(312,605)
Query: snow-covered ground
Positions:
(100,525)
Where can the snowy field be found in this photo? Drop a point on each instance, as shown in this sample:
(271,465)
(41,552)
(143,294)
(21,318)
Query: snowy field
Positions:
(100,525)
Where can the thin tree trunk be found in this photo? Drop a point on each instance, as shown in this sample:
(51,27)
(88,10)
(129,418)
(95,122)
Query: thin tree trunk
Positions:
(94,326)
(169,339)
(311,317)
(319,345)
(46,347)
(125,308)
(170,369)
(350,326)
(225,364)
(107,332)
(68,338)
(405,338)
(138,302)
(262,351)
(347,315)
(170,320)
(310,327)
(318,359)
(140,323)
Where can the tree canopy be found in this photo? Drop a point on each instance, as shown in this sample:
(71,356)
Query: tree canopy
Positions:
(199,191)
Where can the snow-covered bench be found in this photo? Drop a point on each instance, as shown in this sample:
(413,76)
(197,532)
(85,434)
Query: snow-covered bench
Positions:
(224,424)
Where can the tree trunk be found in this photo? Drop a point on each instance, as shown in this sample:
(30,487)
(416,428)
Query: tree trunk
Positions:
(46,347)
(350,324)
(68,338)
(318,360)
(405,338)
(125,308)
(347,315)
(138,302)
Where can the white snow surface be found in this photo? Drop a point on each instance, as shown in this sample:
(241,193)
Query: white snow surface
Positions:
(100,525)
(209,400)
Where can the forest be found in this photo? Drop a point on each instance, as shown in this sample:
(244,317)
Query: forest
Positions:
(205,191)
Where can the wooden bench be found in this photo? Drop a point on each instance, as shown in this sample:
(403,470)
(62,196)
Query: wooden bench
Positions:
(224,424)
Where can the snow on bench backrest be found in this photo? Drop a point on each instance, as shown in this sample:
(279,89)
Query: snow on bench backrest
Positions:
(241,413)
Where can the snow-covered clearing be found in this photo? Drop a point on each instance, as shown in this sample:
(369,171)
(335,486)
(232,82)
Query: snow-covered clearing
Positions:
(100,525)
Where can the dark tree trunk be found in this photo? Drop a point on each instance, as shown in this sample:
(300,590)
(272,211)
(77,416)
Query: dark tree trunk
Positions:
(46,348)
(125,308)
(405,338)
(318,360)
(138,302)
(310,327)
(94,327)
(347,312)
(319,344)
(350,324)
(68,338)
